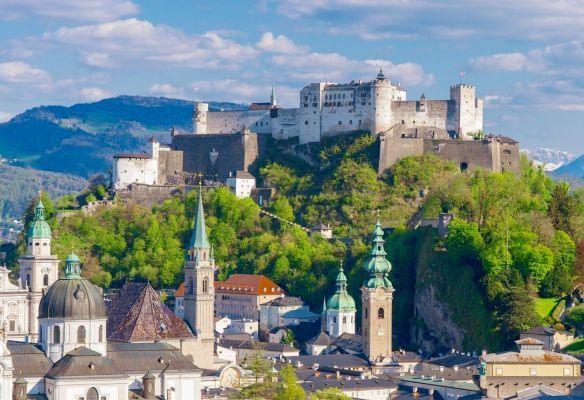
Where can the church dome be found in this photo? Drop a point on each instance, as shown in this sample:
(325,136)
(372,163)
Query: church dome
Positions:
(72,297)
(377,266)
(341,300)
(39,228)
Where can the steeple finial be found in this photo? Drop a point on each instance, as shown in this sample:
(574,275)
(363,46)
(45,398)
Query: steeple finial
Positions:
(72,268)
(273,97)
(199,236)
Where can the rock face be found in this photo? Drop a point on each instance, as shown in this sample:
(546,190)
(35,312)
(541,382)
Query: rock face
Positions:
(438,329)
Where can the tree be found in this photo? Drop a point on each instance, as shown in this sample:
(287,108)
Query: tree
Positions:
(575,316)
(579,263)
(289,389)
(517,312)
(257,363)
(464,241)
(562,208)
(288,339)
(329,394)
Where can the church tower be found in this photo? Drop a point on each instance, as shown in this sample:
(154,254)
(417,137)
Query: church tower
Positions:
(340,313)
(199,279)
(38,267)
(377,298)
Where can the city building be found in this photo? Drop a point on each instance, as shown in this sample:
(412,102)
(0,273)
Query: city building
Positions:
(241,183)
(241,295)
(272,311)
(323,230)
(552,339)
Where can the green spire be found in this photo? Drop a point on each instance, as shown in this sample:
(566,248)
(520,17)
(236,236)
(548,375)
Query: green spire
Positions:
(199,237)
(273,97)
(377,266)
(341,300)
(39,228)
(72,268)
(323,306)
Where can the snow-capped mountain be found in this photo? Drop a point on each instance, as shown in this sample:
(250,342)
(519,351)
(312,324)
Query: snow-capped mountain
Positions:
(551,159)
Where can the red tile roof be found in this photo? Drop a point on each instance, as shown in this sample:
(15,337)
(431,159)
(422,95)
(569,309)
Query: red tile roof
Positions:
(138,314)
(248,284)
(180,292)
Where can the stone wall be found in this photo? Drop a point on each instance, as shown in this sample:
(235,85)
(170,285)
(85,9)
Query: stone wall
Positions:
(229,121)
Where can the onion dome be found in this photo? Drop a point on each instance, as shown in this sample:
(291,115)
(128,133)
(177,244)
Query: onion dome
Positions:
(377,266)
(39,228)
(72,297)
(341,300)
(380,75)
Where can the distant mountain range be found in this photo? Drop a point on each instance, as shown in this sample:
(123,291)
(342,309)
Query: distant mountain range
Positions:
(551,159)
(80,140)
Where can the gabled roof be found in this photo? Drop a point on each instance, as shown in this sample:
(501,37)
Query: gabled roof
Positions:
(28,359)
(322,339)
(84,362)
(248,284)
(285,302)
(138,314)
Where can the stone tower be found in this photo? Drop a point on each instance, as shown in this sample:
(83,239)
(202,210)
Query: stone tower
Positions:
(200,118)
(199,279)
(340,312)
(467,111)
(381,97)
(38,267)
(377,297)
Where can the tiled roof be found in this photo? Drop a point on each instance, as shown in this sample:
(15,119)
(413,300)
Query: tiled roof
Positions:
(84,362)
(300,313)
(180,292)
(155,357)
(251,344)
(285,302)
(529,341)
(248,284)
(138,314)
(28,359)
(540,330)
(331,360)
(322,339)
(547,357)
(349,342)
(243,175)
(354,384)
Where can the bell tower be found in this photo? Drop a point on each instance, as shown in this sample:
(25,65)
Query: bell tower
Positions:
(377,298)
(199,280)
(38,267)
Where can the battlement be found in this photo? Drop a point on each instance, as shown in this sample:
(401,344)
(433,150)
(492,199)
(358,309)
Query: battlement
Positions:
(462,86)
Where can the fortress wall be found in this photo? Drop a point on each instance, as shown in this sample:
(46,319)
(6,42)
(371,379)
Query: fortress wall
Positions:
(169,162)
(285,123)
(232,121)
(340,119)
(435,113)
(510,157)
(471,154)
(392,150)
(148,195)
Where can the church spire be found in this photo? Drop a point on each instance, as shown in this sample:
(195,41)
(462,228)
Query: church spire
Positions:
(273,98)
(199,236)
(39,228)
(377,266)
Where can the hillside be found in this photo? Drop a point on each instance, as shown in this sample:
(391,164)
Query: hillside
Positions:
(80,140)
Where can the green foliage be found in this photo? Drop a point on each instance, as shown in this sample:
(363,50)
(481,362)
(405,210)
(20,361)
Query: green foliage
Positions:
(329,394)
(575,316)
(562,208)
(289,338)
(289,389)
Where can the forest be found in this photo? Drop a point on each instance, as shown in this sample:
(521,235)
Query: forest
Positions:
(516,239)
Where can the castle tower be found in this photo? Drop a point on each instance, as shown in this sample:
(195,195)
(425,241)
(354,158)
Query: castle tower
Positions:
(340,313)
(273,98)
(467,116)
(200,118)
(377,297)
(199,280)
(38,268)
(381,97)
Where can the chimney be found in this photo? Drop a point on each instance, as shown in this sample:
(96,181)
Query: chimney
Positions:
(20,389)
(484,353)
(148,386)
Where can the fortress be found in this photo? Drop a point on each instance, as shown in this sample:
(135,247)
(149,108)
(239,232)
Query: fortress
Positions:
(327,109)
(224,142)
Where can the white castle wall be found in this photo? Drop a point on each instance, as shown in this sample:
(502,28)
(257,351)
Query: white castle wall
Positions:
(327,109)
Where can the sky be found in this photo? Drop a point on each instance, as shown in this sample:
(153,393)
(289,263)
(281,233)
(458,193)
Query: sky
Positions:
(526,58)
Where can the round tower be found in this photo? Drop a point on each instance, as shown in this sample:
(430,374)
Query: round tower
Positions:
(381,91)
(200,118)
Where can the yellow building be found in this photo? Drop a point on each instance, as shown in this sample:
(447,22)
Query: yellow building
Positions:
(503,375)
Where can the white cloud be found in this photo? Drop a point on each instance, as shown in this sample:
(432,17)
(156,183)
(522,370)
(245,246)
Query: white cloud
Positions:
(19,72)
(85,10)
(243,92)
(280,44)
(94,93)
(513,62)
(166,90)
(123,43)
(5,116)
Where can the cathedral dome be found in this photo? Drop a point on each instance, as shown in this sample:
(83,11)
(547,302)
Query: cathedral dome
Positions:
(341,300)
(72,297)
(39,228)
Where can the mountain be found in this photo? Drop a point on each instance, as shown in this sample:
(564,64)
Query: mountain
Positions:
(82,139)
(57,148)
(551,159)
(574,169)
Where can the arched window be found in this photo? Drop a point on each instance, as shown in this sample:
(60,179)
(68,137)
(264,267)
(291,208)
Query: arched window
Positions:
(365,312)
(45,280)
(344,320)
(191,286)
(92,394)
(81,334)
(100,333)
(380,313)
(28,280)
(334,320)
(57,334)
(205,285)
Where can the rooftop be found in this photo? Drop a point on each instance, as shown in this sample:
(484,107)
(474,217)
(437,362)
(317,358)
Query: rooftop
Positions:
(429,380)
(544,356)
(248,284)
(540,330)
(300,313)
(285,302)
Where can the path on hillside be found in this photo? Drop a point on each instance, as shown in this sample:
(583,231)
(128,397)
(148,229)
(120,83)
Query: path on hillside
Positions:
(272,215)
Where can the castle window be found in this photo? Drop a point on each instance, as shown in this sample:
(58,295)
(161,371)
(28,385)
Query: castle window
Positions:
(305,122)
(350,122)
(205,285)
(57,334)
(463,166)
(81,334)
(359,122)
(92,394)
(100,333)
(403,122)
(340,122)
(380,313)
(45,280)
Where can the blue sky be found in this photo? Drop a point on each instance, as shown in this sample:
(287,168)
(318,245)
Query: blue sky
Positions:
(526,58)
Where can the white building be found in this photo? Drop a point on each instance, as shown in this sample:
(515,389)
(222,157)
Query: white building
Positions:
(241,183)
(328,108)
(131,168)
(271,313)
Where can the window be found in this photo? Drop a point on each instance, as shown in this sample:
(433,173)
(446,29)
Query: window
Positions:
(380,313)
(57,334)
(205,285)
(340,122)
(45,280)
(191,286)
(92,394)
(12,325)
(305,122)
(365,313)
(499,371)
(100,333)
(532,371)
(344,320)
(334,320)
(567,371)
(81,334)
(27,280)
